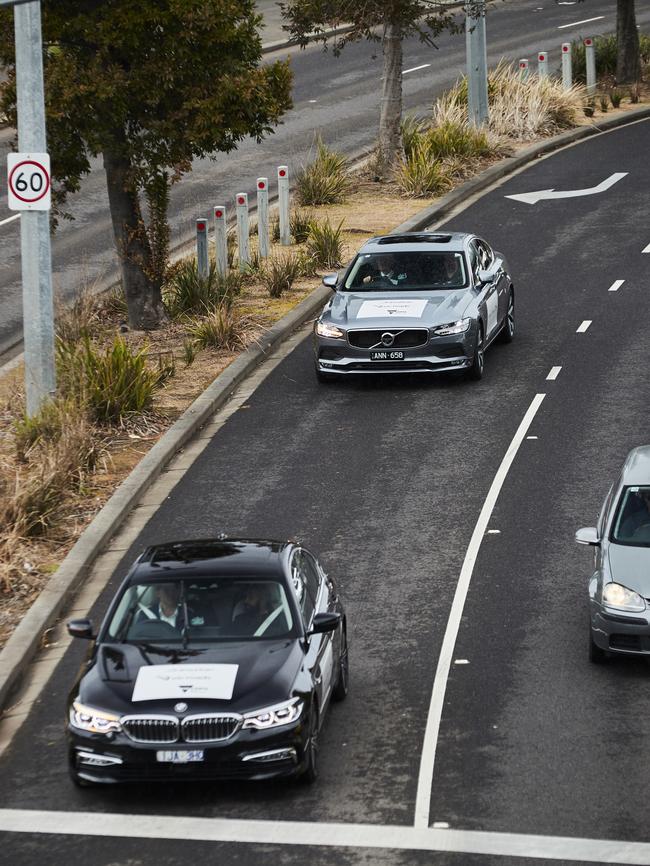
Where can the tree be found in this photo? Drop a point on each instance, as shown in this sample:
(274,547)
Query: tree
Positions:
(385,21)
(628,62)
(151,86)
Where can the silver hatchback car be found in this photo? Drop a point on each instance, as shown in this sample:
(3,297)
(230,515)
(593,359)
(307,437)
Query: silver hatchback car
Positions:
(415,303)
(619,588)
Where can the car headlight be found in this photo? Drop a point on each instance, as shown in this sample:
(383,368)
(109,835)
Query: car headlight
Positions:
(615,595)
(458,327)
(325,329)
(275,716)
(95,721)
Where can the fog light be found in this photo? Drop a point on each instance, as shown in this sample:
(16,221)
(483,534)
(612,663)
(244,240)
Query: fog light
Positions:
(90,759)
(274,755)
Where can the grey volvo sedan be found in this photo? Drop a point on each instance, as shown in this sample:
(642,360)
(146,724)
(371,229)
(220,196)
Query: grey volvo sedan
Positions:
(619,588)
(415,303)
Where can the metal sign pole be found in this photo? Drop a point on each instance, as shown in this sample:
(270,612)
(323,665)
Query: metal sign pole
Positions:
(36,257)
(476,47)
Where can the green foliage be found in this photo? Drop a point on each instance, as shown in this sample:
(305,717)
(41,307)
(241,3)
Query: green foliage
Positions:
(300,222)
(325,180)
(412,129)
(604,103)
(189,292)
(325,244)
(615,96)
(420,173)
(111,384)
(606,51)
(280,272)
(189,352)
(452,138)
(222,328)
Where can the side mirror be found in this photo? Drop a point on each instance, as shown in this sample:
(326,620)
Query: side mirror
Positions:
(325,622)
(82,628)
(588,535)
(486,276)
(330,280)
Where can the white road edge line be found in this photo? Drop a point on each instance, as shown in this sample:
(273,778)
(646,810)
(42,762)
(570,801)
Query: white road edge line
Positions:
(415,68)
(554,373)
(310,833)
(10,219)
(646,249)
(615,286)
(584,326)
(427,761)
(577,23)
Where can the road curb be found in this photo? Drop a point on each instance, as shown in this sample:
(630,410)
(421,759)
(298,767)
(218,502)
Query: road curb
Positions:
(61,588)
(54,598)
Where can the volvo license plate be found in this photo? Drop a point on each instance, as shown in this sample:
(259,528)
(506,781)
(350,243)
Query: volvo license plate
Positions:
(179,756)
(387,355)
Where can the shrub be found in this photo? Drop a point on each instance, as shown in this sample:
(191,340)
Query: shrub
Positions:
(615,96)
(279,274)
(412,129)
(189,292)
(300,222)
(604,104)
(325,244)
(78,319)
(112,384)
(325,180)
(189,352)
(455,138)
(419,174)
(222,328)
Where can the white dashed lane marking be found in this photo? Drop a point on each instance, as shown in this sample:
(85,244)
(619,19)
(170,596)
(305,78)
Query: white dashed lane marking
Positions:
(554,373)
(615,286)
(416,68)
(313,834)
(577,23)
(10,219)
(646,249)
(584,326)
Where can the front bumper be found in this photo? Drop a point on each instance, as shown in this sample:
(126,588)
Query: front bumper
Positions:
(626,634)
(247,755)
(438,355)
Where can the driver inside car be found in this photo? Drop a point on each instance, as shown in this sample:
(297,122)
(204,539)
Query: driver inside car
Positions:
(637,514)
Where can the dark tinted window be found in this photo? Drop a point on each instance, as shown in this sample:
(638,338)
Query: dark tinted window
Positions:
(396,271)
(632,521)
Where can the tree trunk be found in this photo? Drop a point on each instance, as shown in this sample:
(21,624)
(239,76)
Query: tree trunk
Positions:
(390,136)
(628,65)
(143,297)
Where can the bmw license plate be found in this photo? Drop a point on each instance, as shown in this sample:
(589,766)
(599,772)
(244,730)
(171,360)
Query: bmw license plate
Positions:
(177,756)
(386,356)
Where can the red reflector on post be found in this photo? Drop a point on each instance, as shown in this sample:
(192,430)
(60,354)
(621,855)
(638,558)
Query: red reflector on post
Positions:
(200,227)
(218,213)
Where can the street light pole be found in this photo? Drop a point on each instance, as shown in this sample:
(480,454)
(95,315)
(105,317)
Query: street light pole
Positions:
(36,257)
(477,88)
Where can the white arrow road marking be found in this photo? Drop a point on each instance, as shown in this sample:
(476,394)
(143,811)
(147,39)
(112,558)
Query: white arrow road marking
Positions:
(534,197)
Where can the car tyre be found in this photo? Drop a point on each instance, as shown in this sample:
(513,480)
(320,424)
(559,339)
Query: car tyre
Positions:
(475,372)
(597,655)
(340,690)
(310,773)
(508,331)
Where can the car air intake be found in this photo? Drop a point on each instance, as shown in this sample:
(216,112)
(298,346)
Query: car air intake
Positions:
(402,339)
(209,729)
(151,729)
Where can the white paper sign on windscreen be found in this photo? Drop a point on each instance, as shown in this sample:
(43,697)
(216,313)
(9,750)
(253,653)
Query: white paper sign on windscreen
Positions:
(392,308)
(160,682)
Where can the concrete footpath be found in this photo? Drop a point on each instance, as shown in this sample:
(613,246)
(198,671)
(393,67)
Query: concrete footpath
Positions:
(56,598)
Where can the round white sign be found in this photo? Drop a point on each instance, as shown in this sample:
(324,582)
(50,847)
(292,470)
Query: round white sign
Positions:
(28,181)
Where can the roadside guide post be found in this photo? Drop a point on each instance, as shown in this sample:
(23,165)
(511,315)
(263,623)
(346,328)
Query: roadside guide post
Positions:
(242,230)
(590,63)
(567,71)
(28,183)
(542,64)
(523,68)
(263,216)
(220,240)
(476,48)
(202,265)
(283,205)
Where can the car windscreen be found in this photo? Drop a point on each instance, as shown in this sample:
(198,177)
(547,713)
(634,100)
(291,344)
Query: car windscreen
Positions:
(202,610)
(394,271)
(632,521)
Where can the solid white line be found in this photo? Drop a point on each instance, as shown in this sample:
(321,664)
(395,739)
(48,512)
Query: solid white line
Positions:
(555,372)
(415,68)
(577,23)
(427,761)
(584,326)
(10,219)
(615,286)
(310,833)
(646,249)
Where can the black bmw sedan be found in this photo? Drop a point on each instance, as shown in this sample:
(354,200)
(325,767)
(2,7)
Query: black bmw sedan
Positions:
(217,659)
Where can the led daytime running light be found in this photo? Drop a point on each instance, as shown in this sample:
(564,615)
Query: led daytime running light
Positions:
(274,717)
(92,720)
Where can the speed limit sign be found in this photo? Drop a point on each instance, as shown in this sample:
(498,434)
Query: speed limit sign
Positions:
(28,181)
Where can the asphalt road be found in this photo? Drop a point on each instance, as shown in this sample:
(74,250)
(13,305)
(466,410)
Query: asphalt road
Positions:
(386,479)
(338,97)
